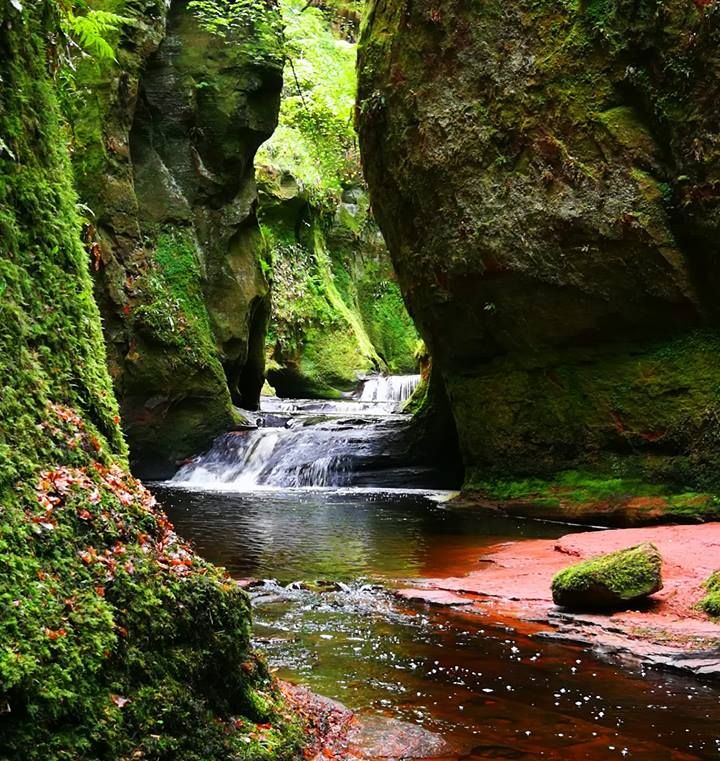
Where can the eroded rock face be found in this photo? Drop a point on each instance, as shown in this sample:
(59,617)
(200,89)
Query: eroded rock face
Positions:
(548,180)
(180,275)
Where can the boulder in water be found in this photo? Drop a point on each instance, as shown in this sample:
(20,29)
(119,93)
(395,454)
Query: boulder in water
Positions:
(610,582)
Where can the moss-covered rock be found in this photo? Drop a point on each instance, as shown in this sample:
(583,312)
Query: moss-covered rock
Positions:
(611,581)
(116,641)
(164,147)
(547,178)
(592,498)
(337,313)
(710,603)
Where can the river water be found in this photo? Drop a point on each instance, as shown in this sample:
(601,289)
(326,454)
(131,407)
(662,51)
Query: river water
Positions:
(327,558)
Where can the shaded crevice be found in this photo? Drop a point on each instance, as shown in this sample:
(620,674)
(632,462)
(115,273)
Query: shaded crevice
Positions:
(245,378)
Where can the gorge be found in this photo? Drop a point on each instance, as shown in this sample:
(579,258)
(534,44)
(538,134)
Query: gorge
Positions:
(335,335)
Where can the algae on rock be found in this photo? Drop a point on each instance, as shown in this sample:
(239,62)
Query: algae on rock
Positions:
(547,179)
(116,641)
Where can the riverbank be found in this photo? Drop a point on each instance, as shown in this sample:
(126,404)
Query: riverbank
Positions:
(513,579)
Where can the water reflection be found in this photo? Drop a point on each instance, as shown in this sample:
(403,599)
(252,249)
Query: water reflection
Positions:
(491,686)
(344,534)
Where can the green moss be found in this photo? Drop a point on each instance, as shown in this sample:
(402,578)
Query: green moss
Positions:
(609,580)
(710,604)
(179,260)
(313,330)
(386,319)
(50,342)
(639,402)
(259,24)
(575,491)
(116,641)
(337,313)
(174,307)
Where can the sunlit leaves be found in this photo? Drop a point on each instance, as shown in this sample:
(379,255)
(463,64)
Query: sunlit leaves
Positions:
(315,141)
(92,31)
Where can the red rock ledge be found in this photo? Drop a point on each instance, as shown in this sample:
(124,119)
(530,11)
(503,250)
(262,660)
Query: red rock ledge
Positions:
(514,579)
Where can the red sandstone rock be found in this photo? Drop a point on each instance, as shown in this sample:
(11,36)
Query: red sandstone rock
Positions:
(338,734)
(517,581)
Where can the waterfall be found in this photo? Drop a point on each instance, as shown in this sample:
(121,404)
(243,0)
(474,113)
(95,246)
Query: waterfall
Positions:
(316,443)
(268,457)
(389,388)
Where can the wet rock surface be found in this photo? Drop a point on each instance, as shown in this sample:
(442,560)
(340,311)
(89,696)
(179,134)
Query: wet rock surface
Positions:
(339,733)
(538,173)
(165,161)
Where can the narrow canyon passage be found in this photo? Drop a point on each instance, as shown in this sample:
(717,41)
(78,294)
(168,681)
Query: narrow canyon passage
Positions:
(359,380)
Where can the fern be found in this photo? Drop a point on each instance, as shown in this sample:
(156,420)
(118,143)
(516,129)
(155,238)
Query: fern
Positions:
(92,29)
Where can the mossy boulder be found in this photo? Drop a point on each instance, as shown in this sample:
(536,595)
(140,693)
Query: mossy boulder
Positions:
(547,179)
(710,603)
(610,582)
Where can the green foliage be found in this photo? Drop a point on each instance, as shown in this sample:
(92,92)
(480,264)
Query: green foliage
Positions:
(256,22)
(337,312)
(93,30)
(315,140)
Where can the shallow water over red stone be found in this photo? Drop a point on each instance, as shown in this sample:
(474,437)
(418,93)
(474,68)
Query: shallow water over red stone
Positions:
(492,686)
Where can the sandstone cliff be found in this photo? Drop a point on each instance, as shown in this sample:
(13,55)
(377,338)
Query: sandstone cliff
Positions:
(164,148)
(548,180)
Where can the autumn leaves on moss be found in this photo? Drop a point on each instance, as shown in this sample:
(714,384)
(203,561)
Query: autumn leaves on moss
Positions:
(116,641)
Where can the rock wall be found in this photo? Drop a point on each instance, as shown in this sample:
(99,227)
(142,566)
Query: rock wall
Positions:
(547,177)
(166,166)
(337,311)
(116,641)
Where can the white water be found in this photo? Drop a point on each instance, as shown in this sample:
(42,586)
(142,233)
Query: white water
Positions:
(310,443)
(389,388)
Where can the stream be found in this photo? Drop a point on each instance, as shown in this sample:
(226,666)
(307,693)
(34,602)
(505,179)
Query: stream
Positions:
(320,508)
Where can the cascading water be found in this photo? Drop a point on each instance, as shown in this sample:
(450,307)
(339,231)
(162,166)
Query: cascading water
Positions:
(307,443)
(389,388)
